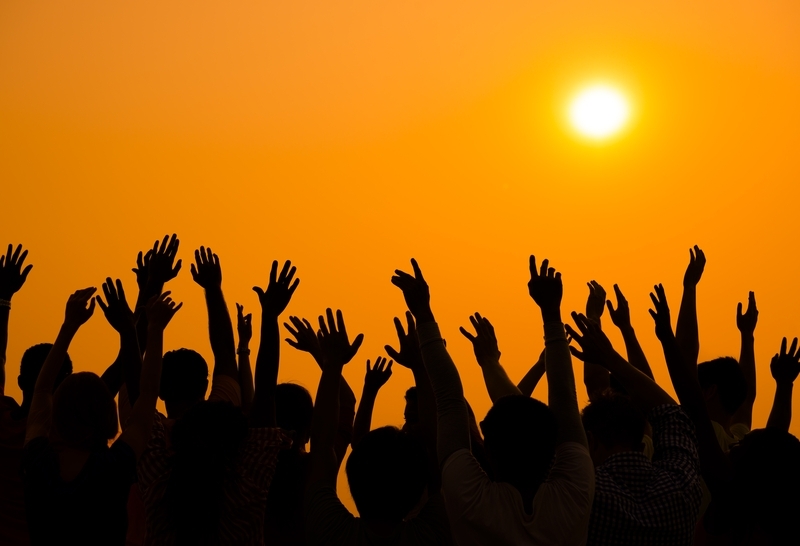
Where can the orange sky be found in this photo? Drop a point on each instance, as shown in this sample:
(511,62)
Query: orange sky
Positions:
(354,135)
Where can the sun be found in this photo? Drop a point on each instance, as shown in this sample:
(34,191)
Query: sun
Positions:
(599,112)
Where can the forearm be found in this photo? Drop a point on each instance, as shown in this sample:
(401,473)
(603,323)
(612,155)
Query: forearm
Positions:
(426,402)
(131,363)
(747,362)
(220,332)
(266,380)
(347,412)
(562,396)
(528,383)
(451,410)
(686,330)
(150,376)
(644,392)
(596,379)
(498,384)
(781,414)
(4,315)
(363,420)
(323,425)
(633,349)
(245,379)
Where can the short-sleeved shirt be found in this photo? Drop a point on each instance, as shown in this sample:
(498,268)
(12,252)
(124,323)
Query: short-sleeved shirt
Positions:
(13,527)
(328,522)
(245,496)
(91,509)
(484,512)
(643,502)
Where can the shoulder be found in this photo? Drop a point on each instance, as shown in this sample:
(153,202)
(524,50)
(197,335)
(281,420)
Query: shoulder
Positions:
(571,480)
(327,519)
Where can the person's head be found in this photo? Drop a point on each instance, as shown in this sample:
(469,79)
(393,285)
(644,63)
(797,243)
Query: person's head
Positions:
(411,412)
(723,384)
(387,473)
(84,412)
(184,377)
(31,364)
(293,410)
(519,434)
(767,481)
(613,424)
(206,441)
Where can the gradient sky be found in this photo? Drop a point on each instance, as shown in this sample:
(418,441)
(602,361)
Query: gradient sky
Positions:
(350,136)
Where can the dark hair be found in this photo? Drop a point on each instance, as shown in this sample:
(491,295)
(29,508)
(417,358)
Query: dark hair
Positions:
(84,412)
(614,421)
(206,443)
(726,374)
(387,473)
(519,434)
(32,362)
(766,483)
(184,376)
(293,409)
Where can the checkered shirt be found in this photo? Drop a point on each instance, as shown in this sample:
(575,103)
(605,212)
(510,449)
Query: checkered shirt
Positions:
(642,502)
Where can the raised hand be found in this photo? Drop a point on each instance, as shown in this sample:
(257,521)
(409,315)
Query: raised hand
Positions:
(207,271)
(244,325)
(12,275)
(160,310)
(661,313)
(595,345)
(785,366)
(694,271)
(305,339)
(484,342)
(596,302)
(142,269)
(78,312)
(334,343)
(161,268)
(545,286)
(409,354)
(746,322)
(378,375)
(117,311)
(621,316)
(415,292)
(279,291)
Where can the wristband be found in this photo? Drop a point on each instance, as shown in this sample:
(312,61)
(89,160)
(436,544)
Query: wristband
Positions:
(5,303)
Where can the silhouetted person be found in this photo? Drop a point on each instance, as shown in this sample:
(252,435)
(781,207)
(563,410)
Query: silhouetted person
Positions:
(724,390)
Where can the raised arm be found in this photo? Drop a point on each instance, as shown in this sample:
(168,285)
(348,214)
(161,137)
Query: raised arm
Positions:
(746,323)
(153,270)
(273,301)
(686,331)
(206,272)
(129,359)
(595,346)
(12,277)
(244,327)
(531,379)
(621,317)
(376,377)
(785,367)
(451,409)
(487,353)
(305,339)
(546,290)
(595,376)
(80,307)
(160,310)
(713,462)
(335,351)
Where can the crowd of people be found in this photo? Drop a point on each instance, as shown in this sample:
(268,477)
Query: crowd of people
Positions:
(88,459)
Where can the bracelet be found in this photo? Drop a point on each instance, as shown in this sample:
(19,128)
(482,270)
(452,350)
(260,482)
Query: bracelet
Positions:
(5,303)
(243,352)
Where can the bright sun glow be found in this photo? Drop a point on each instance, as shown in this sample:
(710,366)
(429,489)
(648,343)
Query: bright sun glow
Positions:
(599,112)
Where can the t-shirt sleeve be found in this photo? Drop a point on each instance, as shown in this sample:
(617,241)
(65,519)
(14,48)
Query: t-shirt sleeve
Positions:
(468,491)
(675,444)
(260,454)
(225,389)
(739,431)
(154,459)
(327,520)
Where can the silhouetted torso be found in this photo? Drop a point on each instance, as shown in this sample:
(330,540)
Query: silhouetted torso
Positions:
(283,522)
(13,528)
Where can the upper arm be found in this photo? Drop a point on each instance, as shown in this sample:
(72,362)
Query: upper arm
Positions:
(38,423)
(674,443)
(328,522)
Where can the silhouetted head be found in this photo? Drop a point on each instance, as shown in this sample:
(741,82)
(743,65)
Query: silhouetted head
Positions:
(31,364)
(293,410)
(207,441)
(84,412)
(722,380)
(767,483)
(613,424)
(184,377)
(519,434)
(411,412)
(387,473)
